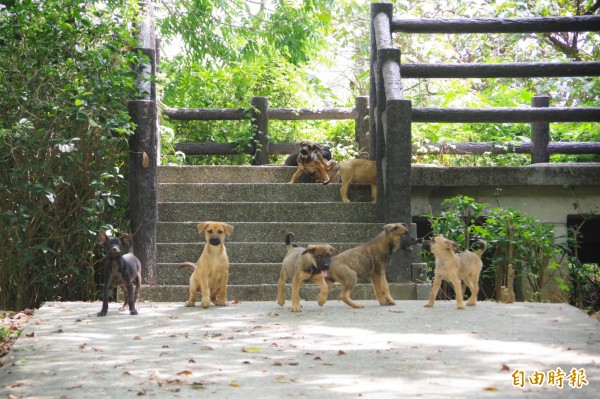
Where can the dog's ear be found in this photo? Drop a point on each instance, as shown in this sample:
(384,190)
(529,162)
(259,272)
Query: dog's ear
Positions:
(388,228)
(331,249)
(102,237)
(125,240)
(228,228)
(309,250)
(453,244)
(202,227)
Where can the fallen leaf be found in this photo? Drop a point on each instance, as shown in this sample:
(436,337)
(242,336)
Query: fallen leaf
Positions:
(126,373)
(280,378)
(276,363)
(341,353)
(137,338)
(317,358)
(251,349)
(504,367)
(145,160)
(491,389)
(191,361)
(206,348)
(293,363)
(185,372)
(234,383)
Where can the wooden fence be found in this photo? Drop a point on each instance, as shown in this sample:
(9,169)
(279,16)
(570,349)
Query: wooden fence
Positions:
(391,114)
(259,115)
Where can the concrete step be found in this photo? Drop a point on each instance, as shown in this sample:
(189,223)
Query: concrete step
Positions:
(238,252)
(239,273)
(309,212)
(268,292)
(322,232)
(260,192)
(227,174)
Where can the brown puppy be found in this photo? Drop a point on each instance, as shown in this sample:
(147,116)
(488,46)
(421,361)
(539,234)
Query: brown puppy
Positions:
(303,264)
(310,161)
(358,171)
(370,259)
(454,267)
(211,272)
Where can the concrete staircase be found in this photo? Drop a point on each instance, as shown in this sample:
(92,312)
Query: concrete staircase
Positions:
(262,207)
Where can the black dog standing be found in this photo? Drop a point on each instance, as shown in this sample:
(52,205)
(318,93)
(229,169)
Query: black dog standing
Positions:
(123,270)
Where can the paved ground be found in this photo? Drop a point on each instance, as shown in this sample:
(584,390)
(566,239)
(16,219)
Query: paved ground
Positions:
(261,350)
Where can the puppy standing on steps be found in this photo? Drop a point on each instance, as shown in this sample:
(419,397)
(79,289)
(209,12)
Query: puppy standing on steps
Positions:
(357,171)
(211,272)
(303,264)
(454,267)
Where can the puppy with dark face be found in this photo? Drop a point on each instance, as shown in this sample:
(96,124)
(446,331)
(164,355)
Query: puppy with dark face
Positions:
(122,269)
(310,161)
(303,264)
(453,267)
(211,272)
(370,260)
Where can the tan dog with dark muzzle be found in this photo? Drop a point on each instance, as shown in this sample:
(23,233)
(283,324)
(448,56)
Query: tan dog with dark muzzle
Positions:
(303,264)
(211,272)
(310,161)
(370,260)
(454,267)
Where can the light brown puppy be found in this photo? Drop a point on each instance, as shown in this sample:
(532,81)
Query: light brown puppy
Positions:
(370,260)
(357,171)
(454,267)
(311,161)
(303,264)
(211,272)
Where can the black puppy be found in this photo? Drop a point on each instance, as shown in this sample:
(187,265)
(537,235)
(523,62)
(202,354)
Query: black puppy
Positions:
(120,269)
(292,159)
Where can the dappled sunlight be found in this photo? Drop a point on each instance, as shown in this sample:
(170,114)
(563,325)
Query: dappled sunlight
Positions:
(331,351)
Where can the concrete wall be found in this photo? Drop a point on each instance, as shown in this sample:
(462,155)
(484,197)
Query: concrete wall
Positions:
(546,192)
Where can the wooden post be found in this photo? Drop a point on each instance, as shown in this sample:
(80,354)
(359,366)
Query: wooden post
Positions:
(361,124)
(260,130)
(540,133)
(143,187)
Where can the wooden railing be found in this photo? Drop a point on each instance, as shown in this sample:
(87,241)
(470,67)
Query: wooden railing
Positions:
(391,114)
(259,115)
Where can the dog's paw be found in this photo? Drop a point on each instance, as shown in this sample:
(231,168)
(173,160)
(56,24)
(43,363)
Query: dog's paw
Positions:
(134,312)
(190,304)
(428,305)
(298,309)
(461,306)
(101,314)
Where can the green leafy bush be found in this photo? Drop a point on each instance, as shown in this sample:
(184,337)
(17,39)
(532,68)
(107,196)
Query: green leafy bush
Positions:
(67,78)
(514,239)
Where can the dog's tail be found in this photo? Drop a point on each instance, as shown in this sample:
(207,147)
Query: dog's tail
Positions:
(288,241)
(484,246)
(189,265)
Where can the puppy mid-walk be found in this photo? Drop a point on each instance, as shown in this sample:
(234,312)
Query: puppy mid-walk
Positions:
(357,171)
(303,264)
(454,267)
(211,272)
(123,270)
(370,260)
(310,161)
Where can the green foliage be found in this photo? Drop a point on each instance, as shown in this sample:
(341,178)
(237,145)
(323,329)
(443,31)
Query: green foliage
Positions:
(514,239)
(67,77)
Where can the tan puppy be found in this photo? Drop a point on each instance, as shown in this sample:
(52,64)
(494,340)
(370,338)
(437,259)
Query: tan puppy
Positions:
(303,264)
(454,267)
(211,272)
(357,171)
(370,260)
(310,161)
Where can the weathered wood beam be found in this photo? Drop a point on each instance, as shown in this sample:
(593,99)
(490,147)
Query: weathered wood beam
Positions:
(586,23)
